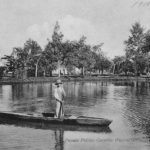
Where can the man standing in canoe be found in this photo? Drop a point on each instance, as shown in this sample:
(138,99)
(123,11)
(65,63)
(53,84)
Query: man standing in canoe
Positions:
(59,95)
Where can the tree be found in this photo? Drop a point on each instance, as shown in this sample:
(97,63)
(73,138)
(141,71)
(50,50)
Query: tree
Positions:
(33,51)
(11,64)
(141,63)
(22,58)
(90,61)
(2,69)
(146,49)
(85,56)
(102,62)
(49,59)
(123,65)
(16,62)
(56,44)
(118,61)
(105,64)
(70,55)
(126,66)
(134,45)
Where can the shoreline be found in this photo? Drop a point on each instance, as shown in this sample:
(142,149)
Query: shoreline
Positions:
(65,79)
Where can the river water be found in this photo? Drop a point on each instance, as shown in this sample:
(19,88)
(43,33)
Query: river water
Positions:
(126,103)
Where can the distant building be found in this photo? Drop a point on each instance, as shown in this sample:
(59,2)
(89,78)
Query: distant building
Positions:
(2,68)
(60,69)
(2,63)
(63,70)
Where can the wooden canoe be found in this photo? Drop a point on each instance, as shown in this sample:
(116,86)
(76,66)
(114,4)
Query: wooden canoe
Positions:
(48,118)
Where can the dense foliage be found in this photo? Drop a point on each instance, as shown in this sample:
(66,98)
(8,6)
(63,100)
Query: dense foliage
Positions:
(137,58)
(31,60)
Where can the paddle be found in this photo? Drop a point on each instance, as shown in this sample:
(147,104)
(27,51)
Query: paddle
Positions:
(61,109)
(59,114)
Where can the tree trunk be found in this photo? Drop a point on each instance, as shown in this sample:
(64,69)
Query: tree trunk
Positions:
(36,70)
(102,71)
(59,69)
(50,72)
(24,74)
(114,69)
(64,71)
(44,73)
(136,69)
(83,71)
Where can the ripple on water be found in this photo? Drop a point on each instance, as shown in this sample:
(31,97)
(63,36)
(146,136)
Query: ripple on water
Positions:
(127,104)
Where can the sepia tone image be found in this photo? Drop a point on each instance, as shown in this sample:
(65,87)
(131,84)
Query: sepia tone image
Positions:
(74,74)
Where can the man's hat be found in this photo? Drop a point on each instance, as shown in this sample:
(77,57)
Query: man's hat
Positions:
(58,82)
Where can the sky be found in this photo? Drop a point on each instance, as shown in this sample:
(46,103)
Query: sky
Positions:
(101,21)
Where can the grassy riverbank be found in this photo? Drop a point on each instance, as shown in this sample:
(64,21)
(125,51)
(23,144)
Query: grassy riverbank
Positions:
(74,78)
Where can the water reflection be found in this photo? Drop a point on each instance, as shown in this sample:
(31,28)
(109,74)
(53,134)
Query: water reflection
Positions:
(55,138)
(137,108)
(45,126)
(5,97)
(126,103)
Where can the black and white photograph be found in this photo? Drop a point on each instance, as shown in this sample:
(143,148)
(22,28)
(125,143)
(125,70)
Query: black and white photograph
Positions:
(74,74)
